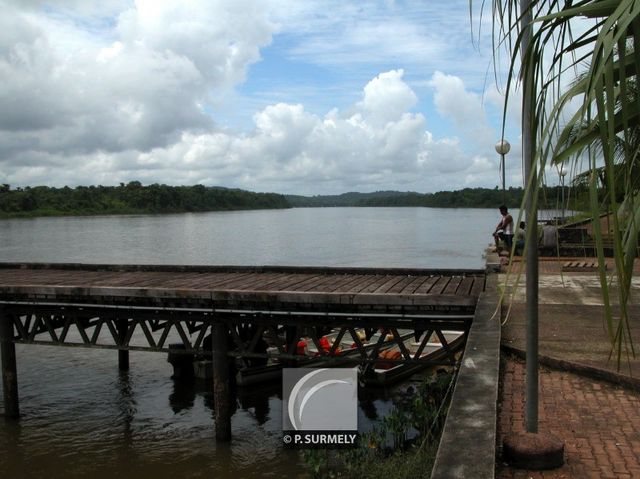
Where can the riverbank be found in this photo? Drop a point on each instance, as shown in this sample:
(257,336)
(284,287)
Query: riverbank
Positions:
(48,213)
(585,399)
(132,198)
(135,198)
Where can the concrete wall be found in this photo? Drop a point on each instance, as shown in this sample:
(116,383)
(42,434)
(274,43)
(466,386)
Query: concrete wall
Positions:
(468,444)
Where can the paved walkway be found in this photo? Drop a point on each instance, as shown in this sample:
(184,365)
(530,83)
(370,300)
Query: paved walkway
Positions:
(571,316)
(598,421)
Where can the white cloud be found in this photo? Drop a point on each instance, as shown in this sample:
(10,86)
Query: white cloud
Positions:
(139,87)
(124,93)
(387,98)
(464,107)
(376,145)
(221,39)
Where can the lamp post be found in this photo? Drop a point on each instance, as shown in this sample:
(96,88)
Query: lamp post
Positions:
(531,450)
(503,147)
(563,173)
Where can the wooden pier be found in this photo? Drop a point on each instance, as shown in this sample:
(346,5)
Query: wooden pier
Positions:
(101,306)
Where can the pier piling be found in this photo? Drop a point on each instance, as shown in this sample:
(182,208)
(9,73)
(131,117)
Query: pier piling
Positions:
(122,326)
(123,360)
(221,382)
(9,371)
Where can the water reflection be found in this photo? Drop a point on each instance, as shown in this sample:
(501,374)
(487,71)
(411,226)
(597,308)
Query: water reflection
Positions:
(258,399)
(183,395)
(127,405)
(255,400)
(106,423)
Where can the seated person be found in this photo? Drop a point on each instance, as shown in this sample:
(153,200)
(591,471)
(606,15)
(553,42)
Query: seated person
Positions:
(519,238)
(549,239)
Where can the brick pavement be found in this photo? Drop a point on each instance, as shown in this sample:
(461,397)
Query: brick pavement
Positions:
(598,422)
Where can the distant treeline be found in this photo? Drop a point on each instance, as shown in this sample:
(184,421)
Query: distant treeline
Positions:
(345,199)
(132,198)
(466,198)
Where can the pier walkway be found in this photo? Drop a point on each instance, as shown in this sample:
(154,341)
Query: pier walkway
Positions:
(312,288)
(102,306)
(45,301)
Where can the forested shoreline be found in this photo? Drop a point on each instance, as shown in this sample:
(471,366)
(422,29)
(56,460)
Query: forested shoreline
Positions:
(134,198)
(464,198)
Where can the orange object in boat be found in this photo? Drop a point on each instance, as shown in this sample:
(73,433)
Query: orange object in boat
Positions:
(302,348)
(391,354)
(388,354)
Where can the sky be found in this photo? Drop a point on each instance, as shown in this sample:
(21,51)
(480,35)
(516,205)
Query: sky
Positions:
(299,97)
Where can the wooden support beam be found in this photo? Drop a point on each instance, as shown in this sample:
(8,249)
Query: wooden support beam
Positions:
(122,326)
(123,360)
(9,370)
(221,392)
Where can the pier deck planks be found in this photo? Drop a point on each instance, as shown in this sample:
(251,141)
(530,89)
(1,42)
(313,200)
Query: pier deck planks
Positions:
(242,284)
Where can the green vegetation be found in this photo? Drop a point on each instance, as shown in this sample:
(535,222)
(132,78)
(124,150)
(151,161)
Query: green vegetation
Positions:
(465,198)
(132,198)
(345,199)
(403,444)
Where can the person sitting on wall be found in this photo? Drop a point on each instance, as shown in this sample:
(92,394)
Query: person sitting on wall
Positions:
(519,237)
(549,239)
(504,229)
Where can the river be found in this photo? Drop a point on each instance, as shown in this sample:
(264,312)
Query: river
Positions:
(81,417)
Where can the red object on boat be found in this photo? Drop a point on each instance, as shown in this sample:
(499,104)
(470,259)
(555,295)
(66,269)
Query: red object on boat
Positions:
(324,343)
(302,348)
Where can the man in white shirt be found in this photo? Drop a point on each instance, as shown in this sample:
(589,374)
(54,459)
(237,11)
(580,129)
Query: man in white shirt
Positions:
(504,229)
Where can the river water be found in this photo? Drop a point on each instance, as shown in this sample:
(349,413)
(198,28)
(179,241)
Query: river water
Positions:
(81,417)
(411,237)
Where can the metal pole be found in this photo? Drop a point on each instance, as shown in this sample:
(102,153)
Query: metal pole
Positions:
(9,370)
(528,147)
(504,193)
(562,182)
(221,396)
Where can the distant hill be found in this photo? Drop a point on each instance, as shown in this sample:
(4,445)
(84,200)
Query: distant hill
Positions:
(345,199)
(465,198)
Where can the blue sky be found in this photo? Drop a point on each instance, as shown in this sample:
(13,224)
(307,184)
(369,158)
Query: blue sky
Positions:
(312,97)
